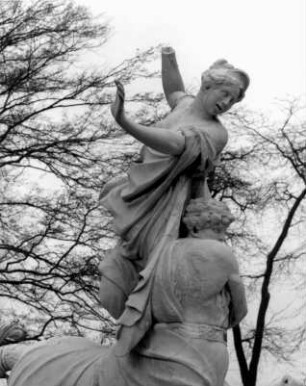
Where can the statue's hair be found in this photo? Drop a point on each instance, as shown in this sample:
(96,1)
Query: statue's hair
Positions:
(207,214)
(223,73)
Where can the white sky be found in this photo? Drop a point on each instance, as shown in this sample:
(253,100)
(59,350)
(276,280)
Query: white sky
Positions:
(267,38)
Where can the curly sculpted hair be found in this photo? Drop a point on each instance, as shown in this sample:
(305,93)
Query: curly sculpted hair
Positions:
(207,214)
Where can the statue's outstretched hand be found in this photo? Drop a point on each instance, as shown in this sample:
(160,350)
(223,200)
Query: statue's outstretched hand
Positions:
(117,107)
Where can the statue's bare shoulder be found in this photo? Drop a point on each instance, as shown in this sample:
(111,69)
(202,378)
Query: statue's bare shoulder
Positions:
(223,255)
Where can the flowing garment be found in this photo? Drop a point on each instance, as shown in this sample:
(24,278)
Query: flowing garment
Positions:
(149,205)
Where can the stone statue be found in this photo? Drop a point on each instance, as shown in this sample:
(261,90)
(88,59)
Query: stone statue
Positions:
(178,153)
(174,284)
(196,295)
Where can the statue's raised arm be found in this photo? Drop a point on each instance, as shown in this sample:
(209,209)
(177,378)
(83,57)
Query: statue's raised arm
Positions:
(173,84)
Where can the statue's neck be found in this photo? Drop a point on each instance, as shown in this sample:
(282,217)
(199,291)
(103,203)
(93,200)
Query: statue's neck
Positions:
(208,234)
(198,107)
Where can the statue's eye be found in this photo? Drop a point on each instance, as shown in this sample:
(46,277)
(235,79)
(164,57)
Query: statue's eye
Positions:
(285,381)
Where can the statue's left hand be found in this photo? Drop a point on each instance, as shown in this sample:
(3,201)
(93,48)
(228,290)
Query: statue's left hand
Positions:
(117,107)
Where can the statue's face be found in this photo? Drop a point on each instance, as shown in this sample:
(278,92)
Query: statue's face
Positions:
(219,99)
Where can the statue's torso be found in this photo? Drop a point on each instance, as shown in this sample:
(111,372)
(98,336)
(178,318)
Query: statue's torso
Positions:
(183,116)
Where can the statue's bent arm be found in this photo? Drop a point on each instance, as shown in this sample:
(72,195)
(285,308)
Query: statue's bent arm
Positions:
(158,138)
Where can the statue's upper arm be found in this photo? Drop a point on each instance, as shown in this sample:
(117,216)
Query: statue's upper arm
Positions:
(237,291)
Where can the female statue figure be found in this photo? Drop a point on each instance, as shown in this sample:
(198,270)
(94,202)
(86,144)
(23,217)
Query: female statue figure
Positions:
(176,158)
(197,294)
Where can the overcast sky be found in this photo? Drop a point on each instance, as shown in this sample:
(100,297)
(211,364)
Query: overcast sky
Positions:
(266,38)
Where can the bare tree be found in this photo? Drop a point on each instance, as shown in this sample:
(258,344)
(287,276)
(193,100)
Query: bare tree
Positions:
(265,182)
(53,127)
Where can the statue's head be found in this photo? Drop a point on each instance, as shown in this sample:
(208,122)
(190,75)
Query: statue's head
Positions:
(210,214)
(221,73)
